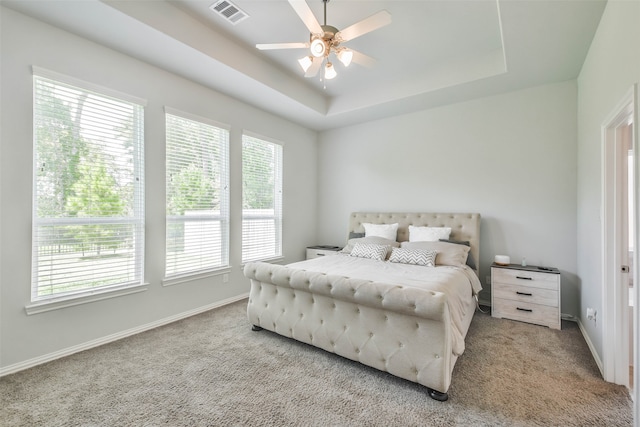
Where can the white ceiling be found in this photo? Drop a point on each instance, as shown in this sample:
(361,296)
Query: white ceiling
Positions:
(433,53)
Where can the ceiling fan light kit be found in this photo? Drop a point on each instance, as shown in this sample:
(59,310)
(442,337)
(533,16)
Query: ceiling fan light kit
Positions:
(329,71)
(325,39)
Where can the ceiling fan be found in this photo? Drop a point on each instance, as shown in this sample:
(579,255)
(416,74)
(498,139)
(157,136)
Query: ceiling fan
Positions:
(326,39)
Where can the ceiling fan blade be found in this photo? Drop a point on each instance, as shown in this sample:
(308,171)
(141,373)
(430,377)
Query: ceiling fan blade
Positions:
(365,26)
(304,12)
(362,59)
(314,68)
(270,46)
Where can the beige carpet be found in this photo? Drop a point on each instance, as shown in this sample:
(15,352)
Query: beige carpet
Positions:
(212,370)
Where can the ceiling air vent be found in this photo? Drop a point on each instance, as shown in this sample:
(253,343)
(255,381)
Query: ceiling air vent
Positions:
(229,11)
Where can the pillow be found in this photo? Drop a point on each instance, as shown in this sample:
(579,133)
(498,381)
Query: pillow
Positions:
(413,256)
(470,261)
(448,253)
(388,231)
(374,239)
(370,250)
(354,235)
(428,234)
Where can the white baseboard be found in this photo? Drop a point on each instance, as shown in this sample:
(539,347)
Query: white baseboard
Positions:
(592,348)
(11,369)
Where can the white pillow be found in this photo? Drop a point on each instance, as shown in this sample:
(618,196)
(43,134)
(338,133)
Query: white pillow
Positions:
(428,234)
(413,256)
(388,231)
(369,250)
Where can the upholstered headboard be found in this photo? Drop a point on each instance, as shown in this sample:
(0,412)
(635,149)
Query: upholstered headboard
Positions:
(464,226)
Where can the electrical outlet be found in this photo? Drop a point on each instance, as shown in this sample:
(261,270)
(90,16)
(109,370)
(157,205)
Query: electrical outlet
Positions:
(488,280)
(225,278)
(591,314)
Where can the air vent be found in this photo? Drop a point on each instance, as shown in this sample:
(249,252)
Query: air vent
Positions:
(229,11)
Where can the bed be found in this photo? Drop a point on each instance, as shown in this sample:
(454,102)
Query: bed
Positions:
(408,318)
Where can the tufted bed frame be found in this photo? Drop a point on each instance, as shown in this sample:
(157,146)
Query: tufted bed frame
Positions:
(404,331)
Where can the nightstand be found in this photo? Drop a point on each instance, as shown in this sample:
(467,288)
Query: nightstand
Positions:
(318,251)
(529,294)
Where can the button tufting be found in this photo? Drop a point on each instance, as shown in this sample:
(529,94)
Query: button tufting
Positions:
(358,350)
(437,356)
(370,334)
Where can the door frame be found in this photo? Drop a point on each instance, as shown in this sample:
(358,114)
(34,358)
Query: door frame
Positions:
(615,311)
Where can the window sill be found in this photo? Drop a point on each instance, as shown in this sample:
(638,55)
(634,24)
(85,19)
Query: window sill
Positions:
(274,260)
(70,301)
(195,276)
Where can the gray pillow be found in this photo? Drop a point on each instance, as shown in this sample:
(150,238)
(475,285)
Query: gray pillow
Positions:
(470,261)
(371,239)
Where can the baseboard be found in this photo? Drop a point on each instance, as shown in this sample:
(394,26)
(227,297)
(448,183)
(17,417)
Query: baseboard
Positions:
(11,369)
(592,348)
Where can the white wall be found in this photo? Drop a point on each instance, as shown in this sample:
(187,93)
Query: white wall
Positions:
(509,157)
(611,68)
(26,42)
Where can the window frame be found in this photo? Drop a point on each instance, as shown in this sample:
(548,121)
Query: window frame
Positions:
(40,303)
(278,199)
(223,216)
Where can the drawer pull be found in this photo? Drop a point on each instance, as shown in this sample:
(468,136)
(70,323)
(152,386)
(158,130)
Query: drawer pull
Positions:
(523,278)
(524,293)
(320,254)
(524,309)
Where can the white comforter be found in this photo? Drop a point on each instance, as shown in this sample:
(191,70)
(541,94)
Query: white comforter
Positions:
(458,283)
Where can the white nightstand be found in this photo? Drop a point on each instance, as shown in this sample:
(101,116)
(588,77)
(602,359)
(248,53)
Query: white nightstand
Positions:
(318,251)
(529,294)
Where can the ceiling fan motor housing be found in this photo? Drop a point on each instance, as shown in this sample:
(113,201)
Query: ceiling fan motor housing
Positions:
(322,45)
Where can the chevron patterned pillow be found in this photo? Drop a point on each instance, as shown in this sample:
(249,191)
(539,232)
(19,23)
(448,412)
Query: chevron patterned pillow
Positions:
(370,250)
(413,256)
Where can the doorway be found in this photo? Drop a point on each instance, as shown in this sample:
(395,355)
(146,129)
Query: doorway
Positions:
(620,175)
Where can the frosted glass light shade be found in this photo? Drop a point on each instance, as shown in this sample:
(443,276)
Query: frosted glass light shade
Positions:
(318,48)
(345,56)
(329,71)
(305,62)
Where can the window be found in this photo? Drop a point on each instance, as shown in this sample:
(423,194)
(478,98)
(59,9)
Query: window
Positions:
(88,210)
(197,196)
(261,199)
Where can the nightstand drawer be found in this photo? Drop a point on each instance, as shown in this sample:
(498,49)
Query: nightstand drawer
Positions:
(525,278)
(318,252)
(526,294)
(532,313)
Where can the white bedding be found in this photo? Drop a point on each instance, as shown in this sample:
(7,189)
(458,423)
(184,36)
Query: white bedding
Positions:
(459,284)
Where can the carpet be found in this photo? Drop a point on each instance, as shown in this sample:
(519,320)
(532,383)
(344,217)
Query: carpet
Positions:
(212,370)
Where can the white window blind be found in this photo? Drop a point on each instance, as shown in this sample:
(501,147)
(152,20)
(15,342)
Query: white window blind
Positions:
(261,199)
(88,210)
(197,196)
